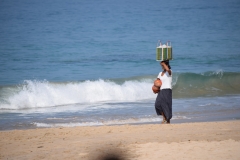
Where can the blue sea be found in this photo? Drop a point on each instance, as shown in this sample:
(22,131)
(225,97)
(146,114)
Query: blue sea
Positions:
(90,63)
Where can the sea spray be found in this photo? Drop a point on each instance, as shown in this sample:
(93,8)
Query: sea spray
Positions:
(35,94)
(42,94)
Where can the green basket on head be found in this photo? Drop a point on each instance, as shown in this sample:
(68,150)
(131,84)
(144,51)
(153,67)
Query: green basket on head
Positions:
(164,52)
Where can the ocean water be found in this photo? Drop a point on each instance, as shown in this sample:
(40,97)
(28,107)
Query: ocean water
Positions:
(84,63)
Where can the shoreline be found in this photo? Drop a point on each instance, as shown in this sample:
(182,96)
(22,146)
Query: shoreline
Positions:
(175,121)
(132,141)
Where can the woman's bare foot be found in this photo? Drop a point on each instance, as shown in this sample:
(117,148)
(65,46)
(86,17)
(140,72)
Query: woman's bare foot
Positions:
(164,121)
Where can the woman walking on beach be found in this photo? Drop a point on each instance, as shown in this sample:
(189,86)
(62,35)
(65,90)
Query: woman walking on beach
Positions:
(163,103)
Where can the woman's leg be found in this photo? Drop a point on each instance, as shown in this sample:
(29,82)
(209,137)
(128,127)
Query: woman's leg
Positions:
(164,118)
(166,105)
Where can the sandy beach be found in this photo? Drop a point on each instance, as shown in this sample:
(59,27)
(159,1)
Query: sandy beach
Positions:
(201,140)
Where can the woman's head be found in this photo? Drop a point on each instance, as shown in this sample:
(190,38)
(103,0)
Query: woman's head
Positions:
(167,63)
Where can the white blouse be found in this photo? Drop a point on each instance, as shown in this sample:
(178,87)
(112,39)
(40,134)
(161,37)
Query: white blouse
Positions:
(166,80)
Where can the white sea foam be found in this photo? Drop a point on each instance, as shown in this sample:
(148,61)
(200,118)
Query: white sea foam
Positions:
(43,94)
(102,123)
(40,94)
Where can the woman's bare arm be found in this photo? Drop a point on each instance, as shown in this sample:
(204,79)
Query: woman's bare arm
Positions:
(166,68)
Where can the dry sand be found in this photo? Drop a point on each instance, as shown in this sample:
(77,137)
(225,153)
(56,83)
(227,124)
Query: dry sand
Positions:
(205,140)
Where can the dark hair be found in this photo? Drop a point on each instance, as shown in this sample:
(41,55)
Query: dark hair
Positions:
(167,63)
